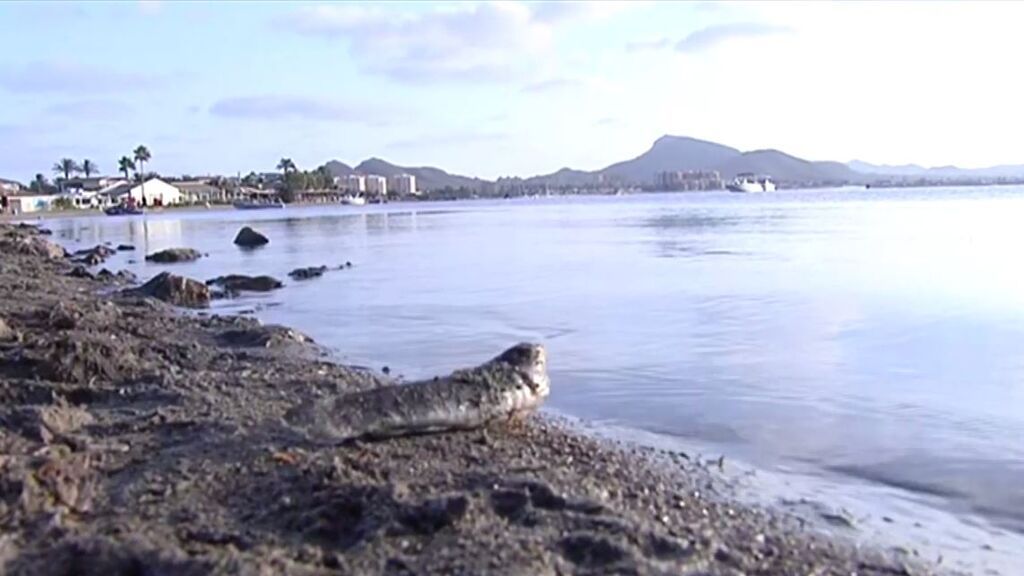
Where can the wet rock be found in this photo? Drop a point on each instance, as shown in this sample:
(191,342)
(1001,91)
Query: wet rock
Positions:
(249,238)
(125,248)
(263,337)
(174,289)
(31,246)
(173,255)
(102,556)
(99,250)
(308,273)
(242,283)
(510,504)
(81,272)
(90,259)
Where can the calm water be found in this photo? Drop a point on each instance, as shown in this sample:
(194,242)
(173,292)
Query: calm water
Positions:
(866,347)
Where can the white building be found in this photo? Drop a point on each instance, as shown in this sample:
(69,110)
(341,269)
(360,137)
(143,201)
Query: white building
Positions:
(152,192)
(25,203)
(403,184)
(377,185)
(9,186)
(355,183)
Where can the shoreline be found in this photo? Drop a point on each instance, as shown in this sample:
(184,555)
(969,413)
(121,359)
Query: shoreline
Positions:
(132,434)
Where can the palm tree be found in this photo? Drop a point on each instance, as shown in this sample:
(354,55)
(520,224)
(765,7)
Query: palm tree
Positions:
(67,167)
(286,165)
(89,167)
(124,165)
(142,156)
(39,184)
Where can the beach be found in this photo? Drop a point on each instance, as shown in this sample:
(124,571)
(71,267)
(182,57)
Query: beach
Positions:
(136,437)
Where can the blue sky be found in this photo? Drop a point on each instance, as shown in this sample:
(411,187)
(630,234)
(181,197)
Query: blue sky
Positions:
(502,88)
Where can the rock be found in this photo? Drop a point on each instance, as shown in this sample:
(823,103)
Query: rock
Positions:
(31,246)
(249,238)
(242,283)
(176,290)
(125,247)
(81,272)
(172,255)
(99,250)
(90,259)
(308,272)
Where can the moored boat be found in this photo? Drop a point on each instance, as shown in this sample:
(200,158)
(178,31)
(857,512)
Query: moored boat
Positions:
(123,211)
(749,182)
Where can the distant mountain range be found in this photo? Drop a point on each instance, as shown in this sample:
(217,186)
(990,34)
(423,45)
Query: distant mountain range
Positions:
(427,178)
(681,153)
(938,172)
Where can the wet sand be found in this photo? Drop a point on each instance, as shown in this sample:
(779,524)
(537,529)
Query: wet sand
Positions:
(135,438)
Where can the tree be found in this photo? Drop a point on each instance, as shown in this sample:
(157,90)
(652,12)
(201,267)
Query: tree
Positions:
(142,156)
(67,167)
(285,166)
(124,165)
(89,168)
(40,184)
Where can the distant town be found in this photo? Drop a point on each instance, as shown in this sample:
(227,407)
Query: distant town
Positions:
(672,164)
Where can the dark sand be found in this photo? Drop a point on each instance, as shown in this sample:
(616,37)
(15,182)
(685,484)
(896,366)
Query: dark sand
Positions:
(135,439)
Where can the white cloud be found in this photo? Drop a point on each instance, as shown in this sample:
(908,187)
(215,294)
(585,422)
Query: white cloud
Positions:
(708,38)
(471,41)
(276,107)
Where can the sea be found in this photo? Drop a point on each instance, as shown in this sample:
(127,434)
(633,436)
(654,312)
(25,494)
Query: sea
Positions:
(853,356)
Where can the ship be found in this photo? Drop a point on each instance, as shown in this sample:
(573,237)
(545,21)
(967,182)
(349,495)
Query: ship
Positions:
(750,182)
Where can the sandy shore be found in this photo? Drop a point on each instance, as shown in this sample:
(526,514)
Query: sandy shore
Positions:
(135,439)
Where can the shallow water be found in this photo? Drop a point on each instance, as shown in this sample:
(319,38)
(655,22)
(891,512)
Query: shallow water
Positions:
(864,346)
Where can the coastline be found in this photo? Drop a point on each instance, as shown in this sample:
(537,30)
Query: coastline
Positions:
(134,434)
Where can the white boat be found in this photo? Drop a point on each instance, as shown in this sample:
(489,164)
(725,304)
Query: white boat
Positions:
(748,182)
(354,200)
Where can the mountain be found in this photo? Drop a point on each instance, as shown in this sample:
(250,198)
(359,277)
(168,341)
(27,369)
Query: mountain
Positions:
(427,177)
(680,153)
(945,172)
(337,168)
(786,168)
(670,153)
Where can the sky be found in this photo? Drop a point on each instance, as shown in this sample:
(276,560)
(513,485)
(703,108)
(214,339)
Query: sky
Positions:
(504,88)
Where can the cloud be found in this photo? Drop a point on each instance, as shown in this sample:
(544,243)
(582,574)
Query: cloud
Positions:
(493,41)
(461,138)
(71,77)
(566,11)
(641,45)
(482,42)
(607,121)
(288,108)
(554,85)
(96,109)
(707,38)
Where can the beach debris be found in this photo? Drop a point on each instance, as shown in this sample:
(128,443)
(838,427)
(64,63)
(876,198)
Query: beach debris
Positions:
(308,272)
(174,289)
(6,332)
(172,255)
(249,238)
(509,387)
(242,283)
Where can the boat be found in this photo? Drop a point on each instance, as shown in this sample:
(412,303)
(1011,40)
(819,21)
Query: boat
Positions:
(750,182)
(123,211)
(353,200)
(253,205)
